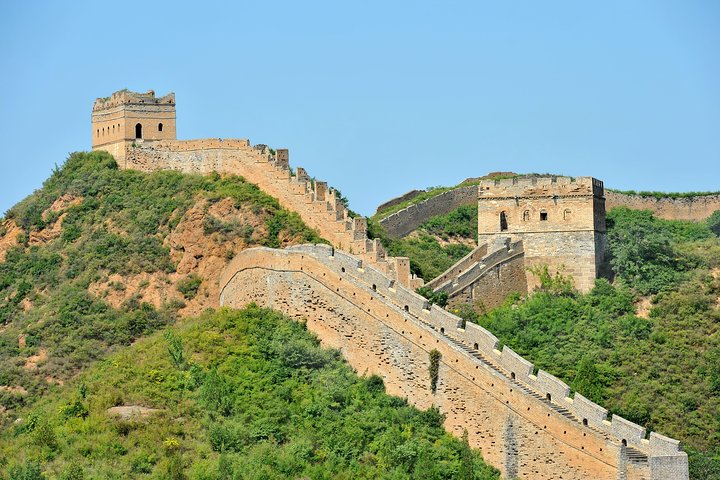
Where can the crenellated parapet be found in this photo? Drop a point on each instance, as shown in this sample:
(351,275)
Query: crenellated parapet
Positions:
(126,97)
(486,275)
(528,423)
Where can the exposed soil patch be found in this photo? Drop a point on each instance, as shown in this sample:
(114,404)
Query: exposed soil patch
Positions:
(33,361)
(62,203)
(9,240)
(131,412)
(203,243)
(17,389)
(643,307)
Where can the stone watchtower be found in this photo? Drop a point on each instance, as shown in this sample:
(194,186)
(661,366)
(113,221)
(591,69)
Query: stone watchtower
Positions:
(560,220)
(126,117)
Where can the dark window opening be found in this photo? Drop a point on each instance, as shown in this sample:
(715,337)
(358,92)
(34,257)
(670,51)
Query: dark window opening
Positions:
(138,131)
(475,346)
(442,329)
(543,216)
(624,442)
(512,375)
(549,397)
(159,127)
(374,287)
(503,222)
(585,422)
(526,215)
(407,309)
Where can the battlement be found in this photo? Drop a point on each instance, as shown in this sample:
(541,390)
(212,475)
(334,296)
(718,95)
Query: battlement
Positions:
(126,97)
(522,187)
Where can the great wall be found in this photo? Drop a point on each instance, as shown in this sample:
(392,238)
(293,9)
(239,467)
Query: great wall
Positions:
(357,299)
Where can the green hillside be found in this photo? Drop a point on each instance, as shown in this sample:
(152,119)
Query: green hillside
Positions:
(659,368)
(237,394)
(91,223)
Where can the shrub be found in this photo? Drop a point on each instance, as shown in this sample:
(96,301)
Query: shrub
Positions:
(29,471)
(434,369)
(189,286)
(438,298)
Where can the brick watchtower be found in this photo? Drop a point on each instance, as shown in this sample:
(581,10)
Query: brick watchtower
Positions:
(560,220)
(126,117)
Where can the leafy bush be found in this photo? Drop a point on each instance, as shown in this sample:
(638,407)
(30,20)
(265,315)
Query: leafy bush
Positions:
(189,286)
(437,298)
(643,250)
(713,222)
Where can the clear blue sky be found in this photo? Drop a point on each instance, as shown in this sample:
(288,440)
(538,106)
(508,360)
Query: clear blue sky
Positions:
(382,97)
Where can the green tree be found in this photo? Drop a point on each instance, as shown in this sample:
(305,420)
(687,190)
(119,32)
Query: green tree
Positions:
(588,380)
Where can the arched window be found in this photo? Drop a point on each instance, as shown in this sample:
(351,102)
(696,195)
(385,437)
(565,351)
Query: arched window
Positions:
(98,132)
(526,216)
(138,131)
(113,128)
(159,127)
(543,215)
(566,214)
(503,222)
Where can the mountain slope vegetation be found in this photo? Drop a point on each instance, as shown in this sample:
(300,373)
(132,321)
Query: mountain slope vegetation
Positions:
(234,394)
(99,257)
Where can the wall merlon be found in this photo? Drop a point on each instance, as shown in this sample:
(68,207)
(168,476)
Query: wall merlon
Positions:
(549,384)
(669,467)
(589,411)
(442,319)
(407,298)
(282,158)
(625,429)
(515,364)
(359,228)
(662,445)
(486,341)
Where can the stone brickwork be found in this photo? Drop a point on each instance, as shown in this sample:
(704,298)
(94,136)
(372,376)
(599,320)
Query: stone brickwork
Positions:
(526,424)
(560,220)
(408,219)
(682,208)
(127,117)
(398,200)
(486,276)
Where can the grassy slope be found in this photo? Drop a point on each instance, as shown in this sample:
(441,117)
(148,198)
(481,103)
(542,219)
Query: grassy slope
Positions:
(242,394)
(117,224)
